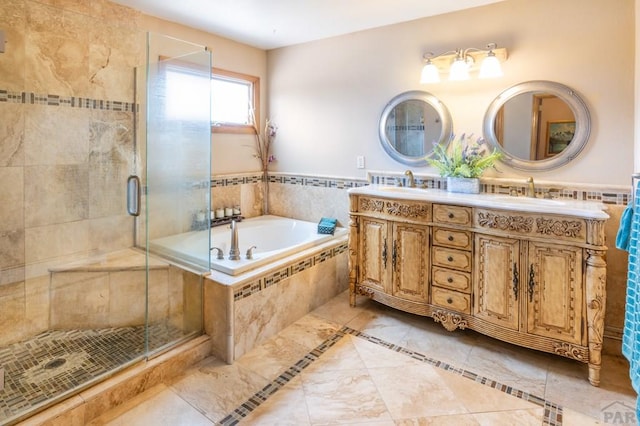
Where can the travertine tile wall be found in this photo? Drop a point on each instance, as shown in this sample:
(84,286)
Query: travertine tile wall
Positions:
(66,144)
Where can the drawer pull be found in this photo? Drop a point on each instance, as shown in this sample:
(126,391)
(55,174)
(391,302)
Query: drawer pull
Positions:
(450,238)
(450,258)
(449,300)
(451,215)
(449,280)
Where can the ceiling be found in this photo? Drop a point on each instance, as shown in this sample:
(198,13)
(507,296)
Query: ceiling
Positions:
(269,24)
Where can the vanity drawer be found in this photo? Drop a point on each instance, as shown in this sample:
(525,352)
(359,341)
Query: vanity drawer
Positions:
(451,258)
(452,238)
(451,299)
(458,215)
(449,278)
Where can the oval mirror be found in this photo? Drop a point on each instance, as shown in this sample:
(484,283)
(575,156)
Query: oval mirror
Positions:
(537,125)
(411,123)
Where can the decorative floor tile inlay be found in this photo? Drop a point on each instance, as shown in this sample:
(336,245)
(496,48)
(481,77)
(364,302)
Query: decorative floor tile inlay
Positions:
(55,362)
(552,411)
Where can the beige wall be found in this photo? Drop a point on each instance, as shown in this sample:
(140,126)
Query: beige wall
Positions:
(327,96)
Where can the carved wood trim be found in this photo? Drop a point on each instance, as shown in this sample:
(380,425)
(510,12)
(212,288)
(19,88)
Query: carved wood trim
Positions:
(399,209)
(559,228)
(571,351)
(364,291)
(367,204)
(449,320)
(408,210)
(505,222)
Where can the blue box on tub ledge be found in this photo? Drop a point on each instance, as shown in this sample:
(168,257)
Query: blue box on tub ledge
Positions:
(327,225)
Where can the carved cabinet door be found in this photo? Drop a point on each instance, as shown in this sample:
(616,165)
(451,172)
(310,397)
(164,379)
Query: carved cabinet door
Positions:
(497,280)
(554,295)
(375,254)
(410,260)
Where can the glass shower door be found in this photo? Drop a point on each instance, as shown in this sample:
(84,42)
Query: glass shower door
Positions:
(177,178)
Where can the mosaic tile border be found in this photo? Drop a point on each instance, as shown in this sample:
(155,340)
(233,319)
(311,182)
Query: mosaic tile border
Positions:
(611,197)
(552,412)
(66,101)
(289,271)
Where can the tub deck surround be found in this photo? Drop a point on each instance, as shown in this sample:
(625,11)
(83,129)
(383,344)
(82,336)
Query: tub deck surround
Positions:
(527,271)
(272,237)
(243,311)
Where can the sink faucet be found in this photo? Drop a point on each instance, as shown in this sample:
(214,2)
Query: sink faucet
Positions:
(234,251)
(531,189)
(412,182)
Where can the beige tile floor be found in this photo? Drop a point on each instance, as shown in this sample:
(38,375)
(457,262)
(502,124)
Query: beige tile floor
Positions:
(369,376)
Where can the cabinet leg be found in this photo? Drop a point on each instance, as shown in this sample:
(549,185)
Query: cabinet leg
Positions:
(594,374)
(352,298)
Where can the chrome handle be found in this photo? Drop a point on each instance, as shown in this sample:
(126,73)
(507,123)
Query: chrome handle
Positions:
(220,255)
(516,280)
(133,195)
(249,255)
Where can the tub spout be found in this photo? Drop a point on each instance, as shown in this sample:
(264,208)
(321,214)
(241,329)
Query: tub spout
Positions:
(234,251)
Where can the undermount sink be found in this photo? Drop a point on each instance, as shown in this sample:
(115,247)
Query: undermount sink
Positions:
(529,200)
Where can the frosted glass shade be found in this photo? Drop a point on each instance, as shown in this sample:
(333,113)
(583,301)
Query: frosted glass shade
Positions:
(430,74)
(459,70)
(490,67)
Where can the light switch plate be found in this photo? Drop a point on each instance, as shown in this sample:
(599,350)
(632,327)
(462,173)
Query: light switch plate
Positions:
(360,161)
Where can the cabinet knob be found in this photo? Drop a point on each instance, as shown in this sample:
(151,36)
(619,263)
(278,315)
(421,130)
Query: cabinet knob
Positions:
(450,258)
(450,215)
(450,238)
(449,280)
(449,300)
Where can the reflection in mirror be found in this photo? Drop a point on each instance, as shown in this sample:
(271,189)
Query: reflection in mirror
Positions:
(538,125)
(410,124)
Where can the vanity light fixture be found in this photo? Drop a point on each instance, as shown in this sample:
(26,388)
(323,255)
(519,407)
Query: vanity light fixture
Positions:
(460,62)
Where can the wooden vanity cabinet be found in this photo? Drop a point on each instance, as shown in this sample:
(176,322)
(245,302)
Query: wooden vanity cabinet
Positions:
(533,279)
(535,288)
(394,257)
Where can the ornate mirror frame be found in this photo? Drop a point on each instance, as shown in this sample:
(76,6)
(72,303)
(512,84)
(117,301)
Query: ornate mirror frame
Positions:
(568,95)
(436,104)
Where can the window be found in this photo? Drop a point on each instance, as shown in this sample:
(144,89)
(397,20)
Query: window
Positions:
(235,102)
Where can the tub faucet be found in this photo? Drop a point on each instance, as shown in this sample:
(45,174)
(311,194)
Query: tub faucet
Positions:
(531,189)
(234,251)
(412,182)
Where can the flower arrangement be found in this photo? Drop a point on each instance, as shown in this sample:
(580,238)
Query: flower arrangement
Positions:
(264,144)
(464,158)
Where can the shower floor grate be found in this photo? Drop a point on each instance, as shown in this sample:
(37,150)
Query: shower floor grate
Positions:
(55,362)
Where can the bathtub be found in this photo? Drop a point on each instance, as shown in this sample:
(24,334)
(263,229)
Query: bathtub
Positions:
(275,237)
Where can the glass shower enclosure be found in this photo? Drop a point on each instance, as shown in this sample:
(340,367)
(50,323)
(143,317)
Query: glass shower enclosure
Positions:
(81,294)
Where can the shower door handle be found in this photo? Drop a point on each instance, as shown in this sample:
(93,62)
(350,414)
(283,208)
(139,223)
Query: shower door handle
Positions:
(133,195)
